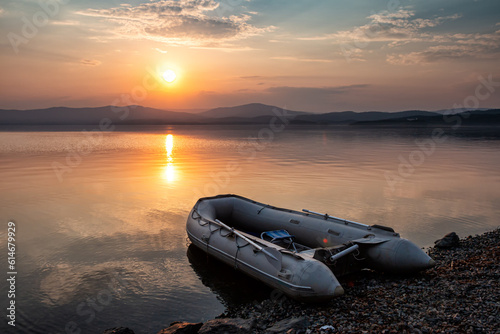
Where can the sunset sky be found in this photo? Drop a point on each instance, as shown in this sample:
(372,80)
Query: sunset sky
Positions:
(311,55)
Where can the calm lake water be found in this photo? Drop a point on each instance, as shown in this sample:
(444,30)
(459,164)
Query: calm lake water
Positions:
(100,220)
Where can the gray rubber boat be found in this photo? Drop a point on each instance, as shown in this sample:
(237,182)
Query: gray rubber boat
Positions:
(299,253)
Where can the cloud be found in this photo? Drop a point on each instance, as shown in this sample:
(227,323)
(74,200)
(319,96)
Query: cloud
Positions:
(391,26)
(182,22)
(65,23)
(160,50)
(252,77)
(401,30)
(281,78)
(453,47)
(225,48)
(308,60)
(90,62)
(314,91)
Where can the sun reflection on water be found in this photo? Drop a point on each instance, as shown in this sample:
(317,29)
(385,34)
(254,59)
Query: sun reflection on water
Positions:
(169,173)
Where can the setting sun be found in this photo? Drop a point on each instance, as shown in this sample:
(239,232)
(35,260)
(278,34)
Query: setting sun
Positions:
(169,76)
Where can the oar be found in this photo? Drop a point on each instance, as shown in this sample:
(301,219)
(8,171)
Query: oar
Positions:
(260,248)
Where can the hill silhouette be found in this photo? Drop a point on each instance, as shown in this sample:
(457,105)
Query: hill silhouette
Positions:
(254,113)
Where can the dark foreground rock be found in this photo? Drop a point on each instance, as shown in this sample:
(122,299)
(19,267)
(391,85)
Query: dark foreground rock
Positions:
(448,241)
(459,295)
(182,328)
(227,326)
(284,326)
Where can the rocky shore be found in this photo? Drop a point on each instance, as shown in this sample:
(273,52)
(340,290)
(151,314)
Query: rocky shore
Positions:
(461,294)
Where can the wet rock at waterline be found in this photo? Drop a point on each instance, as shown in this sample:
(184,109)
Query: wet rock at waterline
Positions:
(227,326)
(179,327)
(448,241)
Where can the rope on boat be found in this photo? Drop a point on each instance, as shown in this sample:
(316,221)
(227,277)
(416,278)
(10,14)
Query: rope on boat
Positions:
(203,222)
(198,218)
(225,235)
(237,251)
(210,232)
(218,228)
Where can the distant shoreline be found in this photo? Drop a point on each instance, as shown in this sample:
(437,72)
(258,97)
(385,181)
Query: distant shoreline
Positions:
(142,127)
(249,114)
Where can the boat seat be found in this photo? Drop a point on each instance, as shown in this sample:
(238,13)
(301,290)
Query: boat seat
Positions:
(279,235)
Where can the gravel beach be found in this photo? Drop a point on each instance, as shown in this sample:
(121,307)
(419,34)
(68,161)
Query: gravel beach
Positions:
(460,294)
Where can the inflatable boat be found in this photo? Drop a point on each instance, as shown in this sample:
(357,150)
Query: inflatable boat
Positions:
(299,253)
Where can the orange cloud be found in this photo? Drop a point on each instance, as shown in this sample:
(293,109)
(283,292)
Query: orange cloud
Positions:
(90,62)
(183,22)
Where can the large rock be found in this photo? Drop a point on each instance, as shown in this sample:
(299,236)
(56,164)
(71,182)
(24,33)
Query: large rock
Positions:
(285,325)
(118,330)
(178,327)
(448,241)
(227,326)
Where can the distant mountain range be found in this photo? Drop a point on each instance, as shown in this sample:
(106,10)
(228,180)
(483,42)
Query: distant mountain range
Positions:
(254,113)
(92,116)
(247,111)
